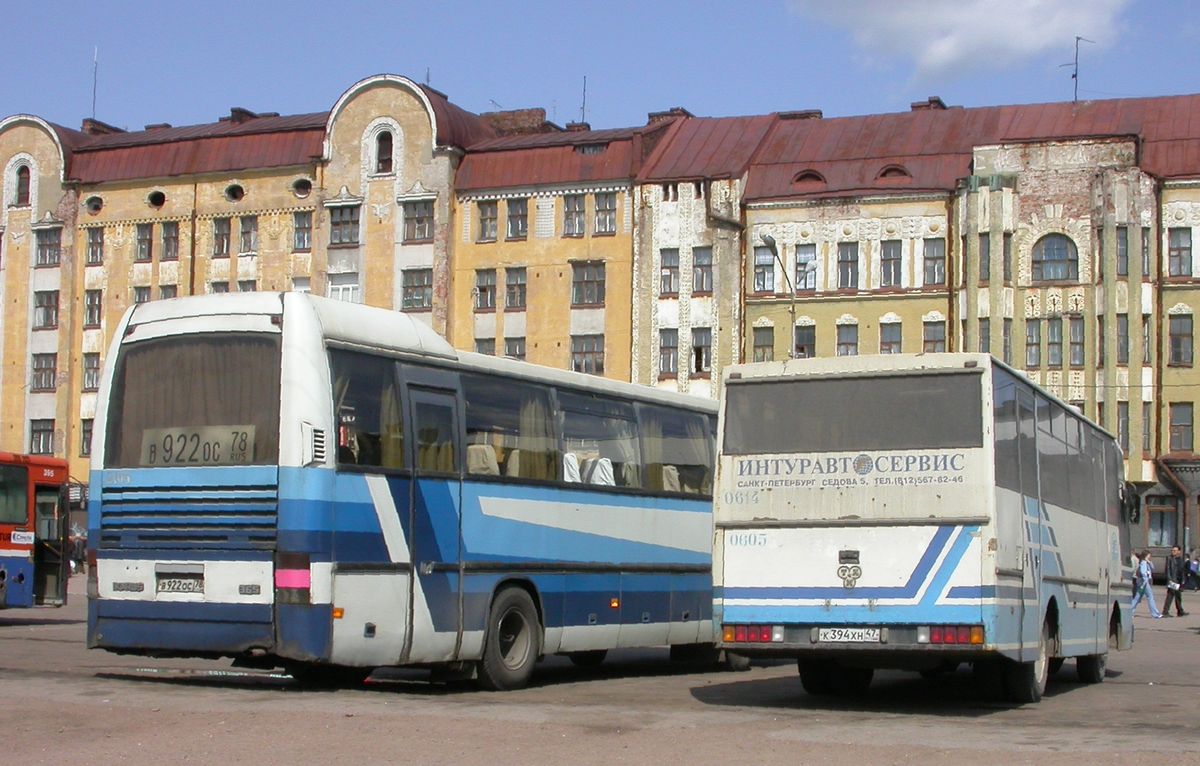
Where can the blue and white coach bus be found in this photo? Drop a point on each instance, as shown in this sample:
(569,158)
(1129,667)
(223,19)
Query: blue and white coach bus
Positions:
(916,512)
(295,481)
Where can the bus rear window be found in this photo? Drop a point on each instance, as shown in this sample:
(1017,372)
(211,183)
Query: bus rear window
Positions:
(195,400)
(14,494)
(853,414)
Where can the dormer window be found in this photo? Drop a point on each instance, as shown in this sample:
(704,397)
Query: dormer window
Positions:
(383,152)
(894,174)
(591,149)
(808,178)
(22,186)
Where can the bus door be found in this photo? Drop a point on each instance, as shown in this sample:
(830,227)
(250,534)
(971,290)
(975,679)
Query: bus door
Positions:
(1031,590)
(51,554)
(436,529)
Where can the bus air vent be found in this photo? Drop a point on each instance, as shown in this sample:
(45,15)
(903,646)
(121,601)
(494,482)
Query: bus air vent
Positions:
(318,445)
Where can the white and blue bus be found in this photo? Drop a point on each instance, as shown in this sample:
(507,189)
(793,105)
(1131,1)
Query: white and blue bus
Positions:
(917,512)
(331,488)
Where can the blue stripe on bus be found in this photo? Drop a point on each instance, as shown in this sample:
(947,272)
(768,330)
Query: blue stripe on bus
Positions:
(854,615)
(182,611)
(972,591)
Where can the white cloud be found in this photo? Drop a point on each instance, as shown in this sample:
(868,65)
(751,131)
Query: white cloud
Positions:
(945,37)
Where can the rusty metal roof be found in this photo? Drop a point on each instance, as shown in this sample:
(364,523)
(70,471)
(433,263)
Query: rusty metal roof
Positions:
(706,147)
(935,146)
(546,165)
(455,125)
(558,138)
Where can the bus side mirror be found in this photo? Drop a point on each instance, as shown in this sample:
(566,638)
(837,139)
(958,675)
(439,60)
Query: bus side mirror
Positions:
(1132,503)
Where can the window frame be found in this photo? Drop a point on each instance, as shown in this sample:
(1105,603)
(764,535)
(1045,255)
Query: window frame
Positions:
(587,284)
(668,272)
(170,241)
(418,221)
(891,260)
(344,225)
(416,295)
(933,260)
(517,219)
(847,266)
(485,290)
(515,288)
(702,270)
(48,247)
(1181,341)
(605,214)
(302,231)
(221,231)
(574,212)
(668,352)
(48,311)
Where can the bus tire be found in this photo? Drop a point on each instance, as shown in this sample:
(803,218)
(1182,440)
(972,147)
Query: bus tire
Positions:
(1091,668)
(1025,682)
(513,642)
(816,677)
(589,659)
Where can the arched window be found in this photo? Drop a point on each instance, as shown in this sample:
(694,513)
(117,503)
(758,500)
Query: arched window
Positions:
(808,177)
(383,152)
(1055,259)
(23,185)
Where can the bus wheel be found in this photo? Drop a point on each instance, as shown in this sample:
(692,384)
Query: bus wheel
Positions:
(588,659)
(1026,681)
(512,644)
(816,677)
(1091,668)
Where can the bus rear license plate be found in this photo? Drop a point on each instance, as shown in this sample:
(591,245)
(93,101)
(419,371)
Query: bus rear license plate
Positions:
(849,635)
(181,584)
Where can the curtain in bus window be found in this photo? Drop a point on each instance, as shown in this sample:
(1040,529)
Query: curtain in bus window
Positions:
(14,493)
(172,396)
(367,407)
(513,422)
(435,437)
(675,451)
(602,434)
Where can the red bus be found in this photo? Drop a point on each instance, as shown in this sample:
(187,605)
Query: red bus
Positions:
(34,552)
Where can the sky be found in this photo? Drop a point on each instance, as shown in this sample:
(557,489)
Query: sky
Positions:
(186,63)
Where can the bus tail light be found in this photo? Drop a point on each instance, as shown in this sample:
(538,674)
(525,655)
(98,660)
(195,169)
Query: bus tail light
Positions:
(752,634)
(965,635)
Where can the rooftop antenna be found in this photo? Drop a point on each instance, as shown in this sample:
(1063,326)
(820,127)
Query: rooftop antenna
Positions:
(583,107)
(426,75)
(496,104)
(95,76)
(1075,66)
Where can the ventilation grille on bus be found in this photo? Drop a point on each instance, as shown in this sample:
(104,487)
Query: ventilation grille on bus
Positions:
(318,445)
(189,518)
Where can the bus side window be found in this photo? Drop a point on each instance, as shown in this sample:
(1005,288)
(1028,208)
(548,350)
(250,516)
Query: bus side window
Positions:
(676,450)
(367,407)
(513,422)
(602,435)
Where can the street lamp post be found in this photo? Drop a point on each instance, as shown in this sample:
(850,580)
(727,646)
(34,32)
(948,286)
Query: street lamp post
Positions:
(769,241)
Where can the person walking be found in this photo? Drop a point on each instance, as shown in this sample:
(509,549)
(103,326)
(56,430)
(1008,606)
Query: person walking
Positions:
(1176,572)
(1145,572)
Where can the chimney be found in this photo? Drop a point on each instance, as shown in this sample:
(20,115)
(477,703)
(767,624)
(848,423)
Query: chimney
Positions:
(238,115)
(933,102)
(158,126)
(578,127)
(519,122)
(670,114)
(96,128)
(803,114)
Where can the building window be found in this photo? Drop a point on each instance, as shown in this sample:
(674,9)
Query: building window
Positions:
(344,287)
(302,231)
(247,285)
(847,266)
(514,288)
(1179,252)
(1122,251)
(170,241)
(933,337)
(343,225)
(806,267)
(587,283)
(935,261)
(1122,339)
(668,283)
(1162,518)
(1146,426)
(606,213)
(764,344)
(49,247)
(573,206)
(93,307)
(805,341)
(701,350)
(485,346)
(1054,343)
(1055,259)
(141,294)
(45,309)
(301,285)
(91,372)
(95,246)
(1181,340)
(485,290)
(1033,343)
(889,259)
(220,238)
(1146,252)
(416,289)
(1077,341)
(587,354)
(518,218)
(764,270)
(1123,426)
(218,287)
(985,336)
(890,340)
(1181,426)
(383,152)
(166,292)
(1006,341)
(43,372)
(249,238)
(487,221)
(145,243)
(847,340)
(668,352)
(702,274)
(985,257)
(41,437)
(1006,255)
(22,186)
(514,348)
(418,221)
(1146,346)
(85,437)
